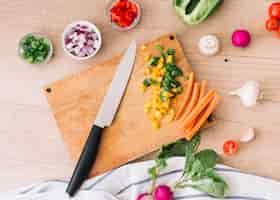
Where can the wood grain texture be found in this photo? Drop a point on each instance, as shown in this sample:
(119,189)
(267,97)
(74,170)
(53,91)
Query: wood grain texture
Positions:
(30,144)
(76,100)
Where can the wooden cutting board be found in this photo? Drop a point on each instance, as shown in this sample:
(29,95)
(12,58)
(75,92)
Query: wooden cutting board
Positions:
(75,102)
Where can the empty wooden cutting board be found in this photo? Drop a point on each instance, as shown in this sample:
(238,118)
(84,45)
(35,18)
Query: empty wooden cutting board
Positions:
(75,102)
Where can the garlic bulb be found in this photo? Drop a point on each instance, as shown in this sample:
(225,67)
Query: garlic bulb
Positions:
(209,45)
(249,93)
(249,136)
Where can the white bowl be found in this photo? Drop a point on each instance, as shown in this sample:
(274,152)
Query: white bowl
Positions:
(89,24)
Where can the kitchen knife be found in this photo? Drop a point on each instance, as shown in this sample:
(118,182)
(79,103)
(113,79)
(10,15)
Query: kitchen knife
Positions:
(104,119)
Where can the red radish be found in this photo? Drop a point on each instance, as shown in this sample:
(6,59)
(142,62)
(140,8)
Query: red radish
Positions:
(144,196)
(241,38)
(163,192)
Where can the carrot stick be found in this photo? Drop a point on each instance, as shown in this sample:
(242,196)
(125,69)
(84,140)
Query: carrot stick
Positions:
(204,117)
(201,95)
(192,104)
(199,107)
(192,124)
(203,89)
(186,97)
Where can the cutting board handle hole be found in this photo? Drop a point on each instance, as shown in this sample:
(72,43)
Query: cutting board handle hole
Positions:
(226,60)
(48,90)
(171,37)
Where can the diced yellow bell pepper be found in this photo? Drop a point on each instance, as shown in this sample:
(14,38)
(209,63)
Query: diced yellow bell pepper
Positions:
(170,59)
(166,104)
(174,90)
(161,60)
(147,58)
(170,115)
(168,94)
(160,65)
(143,88)
(146,110)
(154,75)
(158,114)
(143,47)
(161,72)
(148,71)
(156,88)
(174,101)
(155,124)
(163,110)
(159,79)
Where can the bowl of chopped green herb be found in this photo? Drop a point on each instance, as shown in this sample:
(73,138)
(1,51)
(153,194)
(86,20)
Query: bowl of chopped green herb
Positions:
(35,48)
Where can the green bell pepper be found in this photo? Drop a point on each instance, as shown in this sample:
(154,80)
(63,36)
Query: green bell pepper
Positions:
(195,11)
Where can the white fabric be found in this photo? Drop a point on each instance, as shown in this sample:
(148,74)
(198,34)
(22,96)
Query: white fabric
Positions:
(127,181)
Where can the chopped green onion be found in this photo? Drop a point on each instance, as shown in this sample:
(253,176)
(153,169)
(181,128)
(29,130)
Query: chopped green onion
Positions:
(170,52)
(153,61)
(149,81)
(159,47)
(163,98)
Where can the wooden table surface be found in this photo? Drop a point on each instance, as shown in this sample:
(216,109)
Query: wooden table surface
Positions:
(30,144)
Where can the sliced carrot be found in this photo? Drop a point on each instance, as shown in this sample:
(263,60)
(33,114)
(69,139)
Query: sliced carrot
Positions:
(203,89)
(192,103)
(192,124)
(186,96)
(210,109)
(202,104)
(201,95)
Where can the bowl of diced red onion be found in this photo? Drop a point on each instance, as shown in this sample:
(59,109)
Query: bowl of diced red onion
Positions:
(81,40)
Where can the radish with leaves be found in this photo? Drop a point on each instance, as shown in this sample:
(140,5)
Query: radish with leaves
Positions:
(198,173)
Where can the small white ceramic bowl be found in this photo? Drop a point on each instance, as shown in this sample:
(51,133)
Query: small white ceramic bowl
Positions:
(36,35)
(86,23)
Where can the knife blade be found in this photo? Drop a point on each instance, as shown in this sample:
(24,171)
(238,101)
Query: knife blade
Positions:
(113,98)
(105,117)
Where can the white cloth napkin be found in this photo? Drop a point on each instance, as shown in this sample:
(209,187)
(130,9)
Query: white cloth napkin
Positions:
(127,181)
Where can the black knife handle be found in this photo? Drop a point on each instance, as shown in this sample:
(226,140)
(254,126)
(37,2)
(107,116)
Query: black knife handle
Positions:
(86,160)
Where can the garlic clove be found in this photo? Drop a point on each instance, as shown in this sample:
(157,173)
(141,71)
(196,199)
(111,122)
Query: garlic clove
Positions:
(248,136)
(249,93)
(209,45)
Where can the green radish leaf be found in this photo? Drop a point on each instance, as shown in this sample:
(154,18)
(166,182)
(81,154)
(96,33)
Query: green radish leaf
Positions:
(194,143)
(161,163)
(208,158)
(191,147)
(153,173)
(177,148)
(195,169)
(213,174)
(212,184)
(173,149)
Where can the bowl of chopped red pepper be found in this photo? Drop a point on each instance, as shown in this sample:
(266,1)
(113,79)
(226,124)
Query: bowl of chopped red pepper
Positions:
(124,14)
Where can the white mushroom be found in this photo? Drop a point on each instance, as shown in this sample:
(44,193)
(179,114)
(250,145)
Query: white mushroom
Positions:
(248,136)
(209,45)
(249,93)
